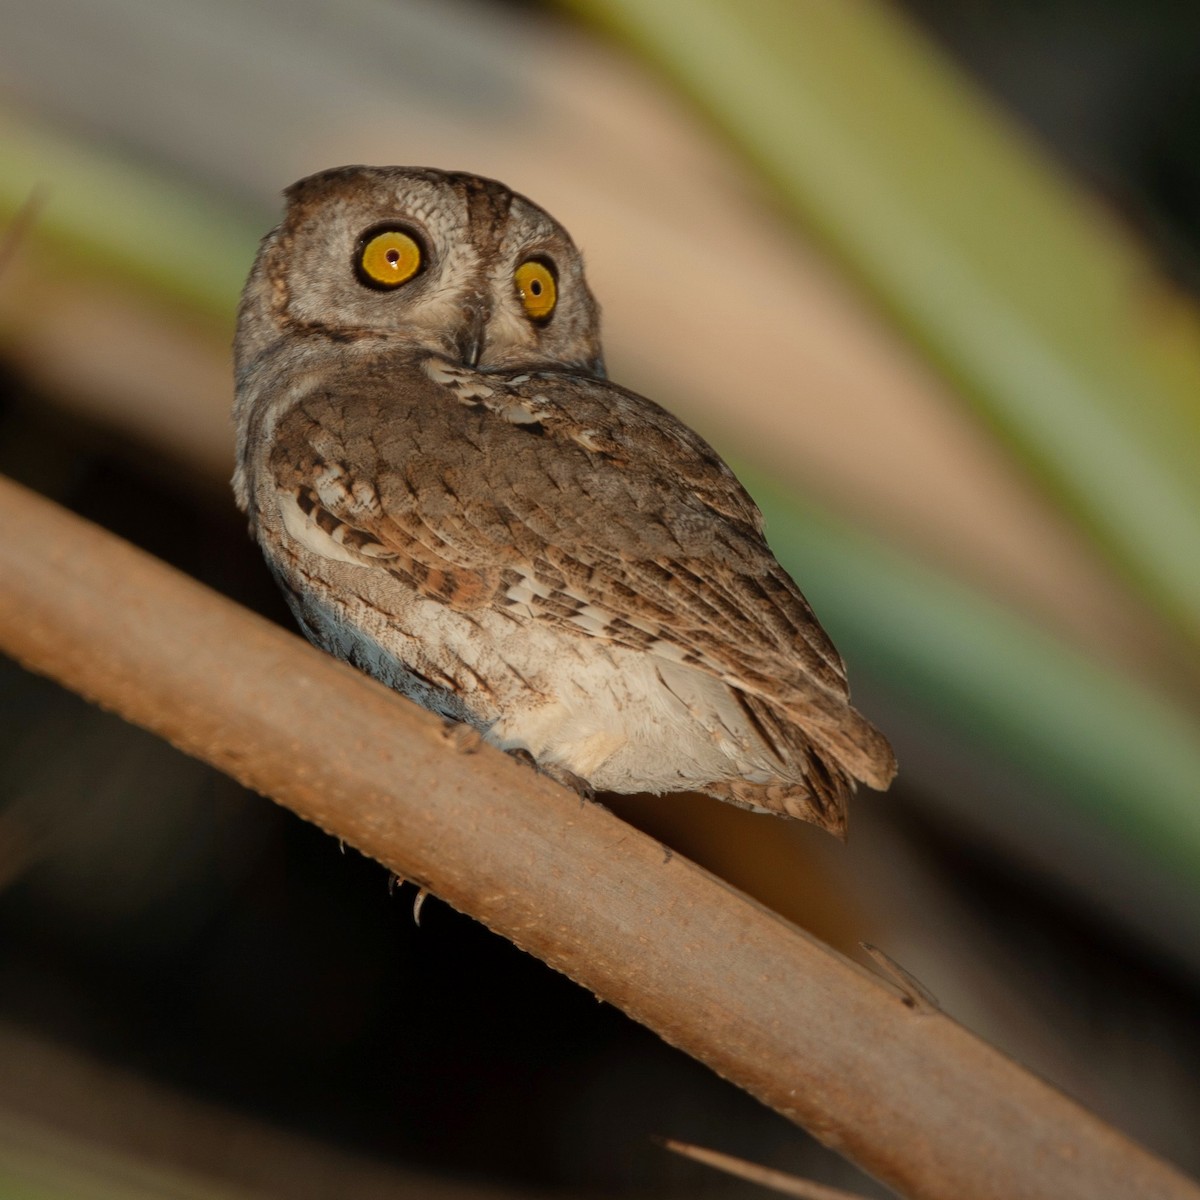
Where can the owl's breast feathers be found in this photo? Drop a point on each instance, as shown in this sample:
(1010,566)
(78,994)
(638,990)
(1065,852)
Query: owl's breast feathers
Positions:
(561,499)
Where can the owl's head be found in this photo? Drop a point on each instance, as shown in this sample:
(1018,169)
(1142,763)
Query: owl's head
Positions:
(449,262)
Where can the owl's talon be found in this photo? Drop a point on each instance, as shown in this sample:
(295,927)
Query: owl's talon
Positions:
(465,739)
(560,775)
(569,779)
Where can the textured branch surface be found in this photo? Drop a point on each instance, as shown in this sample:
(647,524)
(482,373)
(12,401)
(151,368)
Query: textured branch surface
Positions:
(894,1085)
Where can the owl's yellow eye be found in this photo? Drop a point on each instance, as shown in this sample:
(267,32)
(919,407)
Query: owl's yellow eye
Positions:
(537,288)
(387,258)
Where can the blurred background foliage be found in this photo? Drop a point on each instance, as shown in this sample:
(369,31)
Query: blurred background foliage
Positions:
(926,273)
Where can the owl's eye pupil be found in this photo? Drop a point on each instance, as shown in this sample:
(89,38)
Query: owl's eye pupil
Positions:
(393,256)
(536,287)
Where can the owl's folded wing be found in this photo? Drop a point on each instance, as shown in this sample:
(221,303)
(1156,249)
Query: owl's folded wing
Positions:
(573,502)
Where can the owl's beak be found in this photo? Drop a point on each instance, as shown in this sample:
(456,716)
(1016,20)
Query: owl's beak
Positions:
(470,339)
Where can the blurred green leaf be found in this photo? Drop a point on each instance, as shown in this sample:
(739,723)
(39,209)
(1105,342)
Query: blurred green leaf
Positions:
(1050,320)
(97,212)
(1119,755)
(38,1162)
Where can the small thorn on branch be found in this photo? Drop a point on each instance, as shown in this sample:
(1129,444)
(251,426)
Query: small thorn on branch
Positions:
(777,1181)
(914,993)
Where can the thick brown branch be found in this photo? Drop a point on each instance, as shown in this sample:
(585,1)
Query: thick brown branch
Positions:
(902,1090)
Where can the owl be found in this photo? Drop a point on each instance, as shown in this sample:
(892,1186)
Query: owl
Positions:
(455,499)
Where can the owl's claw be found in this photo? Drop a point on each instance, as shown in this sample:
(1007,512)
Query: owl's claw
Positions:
(522,756)
(561,775)
(464,738)
(580,787)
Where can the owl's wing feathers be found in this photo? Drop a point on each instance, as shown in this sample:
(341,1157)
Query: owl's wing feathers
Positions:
(617,521)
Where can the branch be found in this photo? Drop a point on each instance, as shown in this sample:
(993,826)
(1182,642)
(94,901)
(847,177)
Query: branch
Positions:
(900,1089)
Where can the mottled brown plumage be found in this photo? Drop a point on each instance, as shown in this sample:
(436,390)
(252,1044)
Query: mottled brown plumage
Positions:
(455,499)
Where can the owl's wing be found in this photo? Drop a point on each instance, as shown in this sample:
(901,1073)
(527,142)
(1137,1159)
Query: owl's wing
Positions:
(560,498)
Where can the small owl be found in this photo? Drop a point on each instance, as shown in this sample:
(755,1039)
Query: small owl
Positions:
(455,499)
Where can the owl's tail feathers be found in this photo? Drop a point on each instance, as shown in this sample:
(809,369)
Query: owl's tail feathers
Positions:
(823,750)
(860,748)
(820,723)
(821,798)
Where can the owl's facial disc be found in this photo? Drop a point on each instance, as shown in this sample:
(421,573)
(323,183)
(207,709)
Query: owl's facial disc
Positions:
(450,263)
